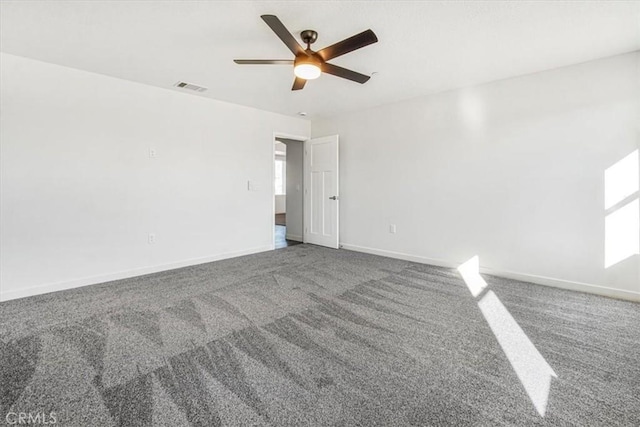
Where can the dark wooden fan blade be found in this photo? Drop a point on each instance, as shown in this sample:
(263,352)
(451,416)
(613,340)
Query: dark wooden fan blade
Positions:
(281,31)
(344,73)
(298,83)
(363,39)
(264,61)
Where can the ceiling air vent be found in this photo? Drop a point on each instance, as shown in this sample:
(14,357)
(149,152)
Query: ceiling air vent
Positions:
(190,86)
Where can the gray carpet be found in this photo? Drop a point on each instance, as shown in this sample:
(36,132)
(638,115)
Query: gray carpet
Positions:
(308,336)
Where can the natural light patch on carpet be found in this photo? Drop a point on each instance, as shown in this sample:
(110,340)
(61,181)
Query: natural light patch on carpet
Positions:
(469,271)
(532,369)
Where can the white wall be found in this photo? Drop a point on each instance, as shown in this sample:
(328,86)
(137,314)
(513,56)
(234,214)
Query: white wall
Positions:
(295,161)
(80,194)
(511,171)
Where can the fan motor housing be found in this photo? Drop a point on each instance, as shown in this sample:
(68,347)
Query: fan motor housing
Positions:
(307,59)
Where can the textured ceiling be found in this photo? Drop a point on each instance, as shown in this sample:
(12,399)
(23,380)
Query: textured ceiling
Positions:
(424,47)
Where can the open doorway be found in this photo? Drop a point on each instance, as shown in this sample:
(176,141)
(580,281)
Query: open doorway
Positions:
(288,194)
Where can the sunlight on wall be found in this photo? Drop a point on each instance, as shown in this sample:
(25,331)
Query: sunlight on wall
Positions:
(621,180)
(621,230)
(530,367)
(622,222)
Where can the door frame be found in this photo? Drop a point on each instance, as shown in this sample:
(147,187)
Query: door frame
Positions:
(302,140)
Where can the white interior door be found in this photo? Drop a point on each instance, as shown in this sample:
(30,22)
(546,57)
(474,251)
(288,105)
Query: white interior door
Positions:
(321,201)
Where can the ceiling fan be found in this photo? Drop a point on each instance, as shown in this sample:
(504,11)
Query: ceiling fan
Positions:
(308,64)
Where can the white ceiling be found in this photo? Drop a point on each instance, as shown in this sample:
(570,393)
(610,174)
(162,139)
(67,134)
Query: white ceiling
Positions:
(424,47)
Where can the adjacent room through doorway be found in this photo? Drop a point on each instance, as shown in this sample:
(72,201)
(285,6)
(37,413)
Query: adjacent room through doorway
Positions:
(288,199)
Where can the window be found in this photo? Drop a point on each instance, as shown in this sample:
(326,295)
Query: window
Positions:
(281,177)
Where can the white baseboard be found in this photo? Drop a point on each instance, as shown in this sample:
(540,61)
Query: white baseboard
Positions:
(398,255)
(539,280)
(293,237)
(93,280)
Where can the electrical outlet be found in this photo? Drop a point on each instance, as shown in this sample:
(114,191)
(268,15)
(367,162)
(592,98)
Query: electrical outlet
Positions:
(152,238)
(153,153)
(392,229)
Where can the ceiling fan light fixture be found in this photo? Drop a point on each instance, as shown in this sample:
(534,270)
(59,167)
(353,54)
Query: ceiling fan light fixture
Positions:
(309,64)
(307,71)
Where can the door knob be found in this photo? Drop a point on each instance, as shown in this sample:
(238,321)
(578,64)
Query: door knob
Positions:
(333,198)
